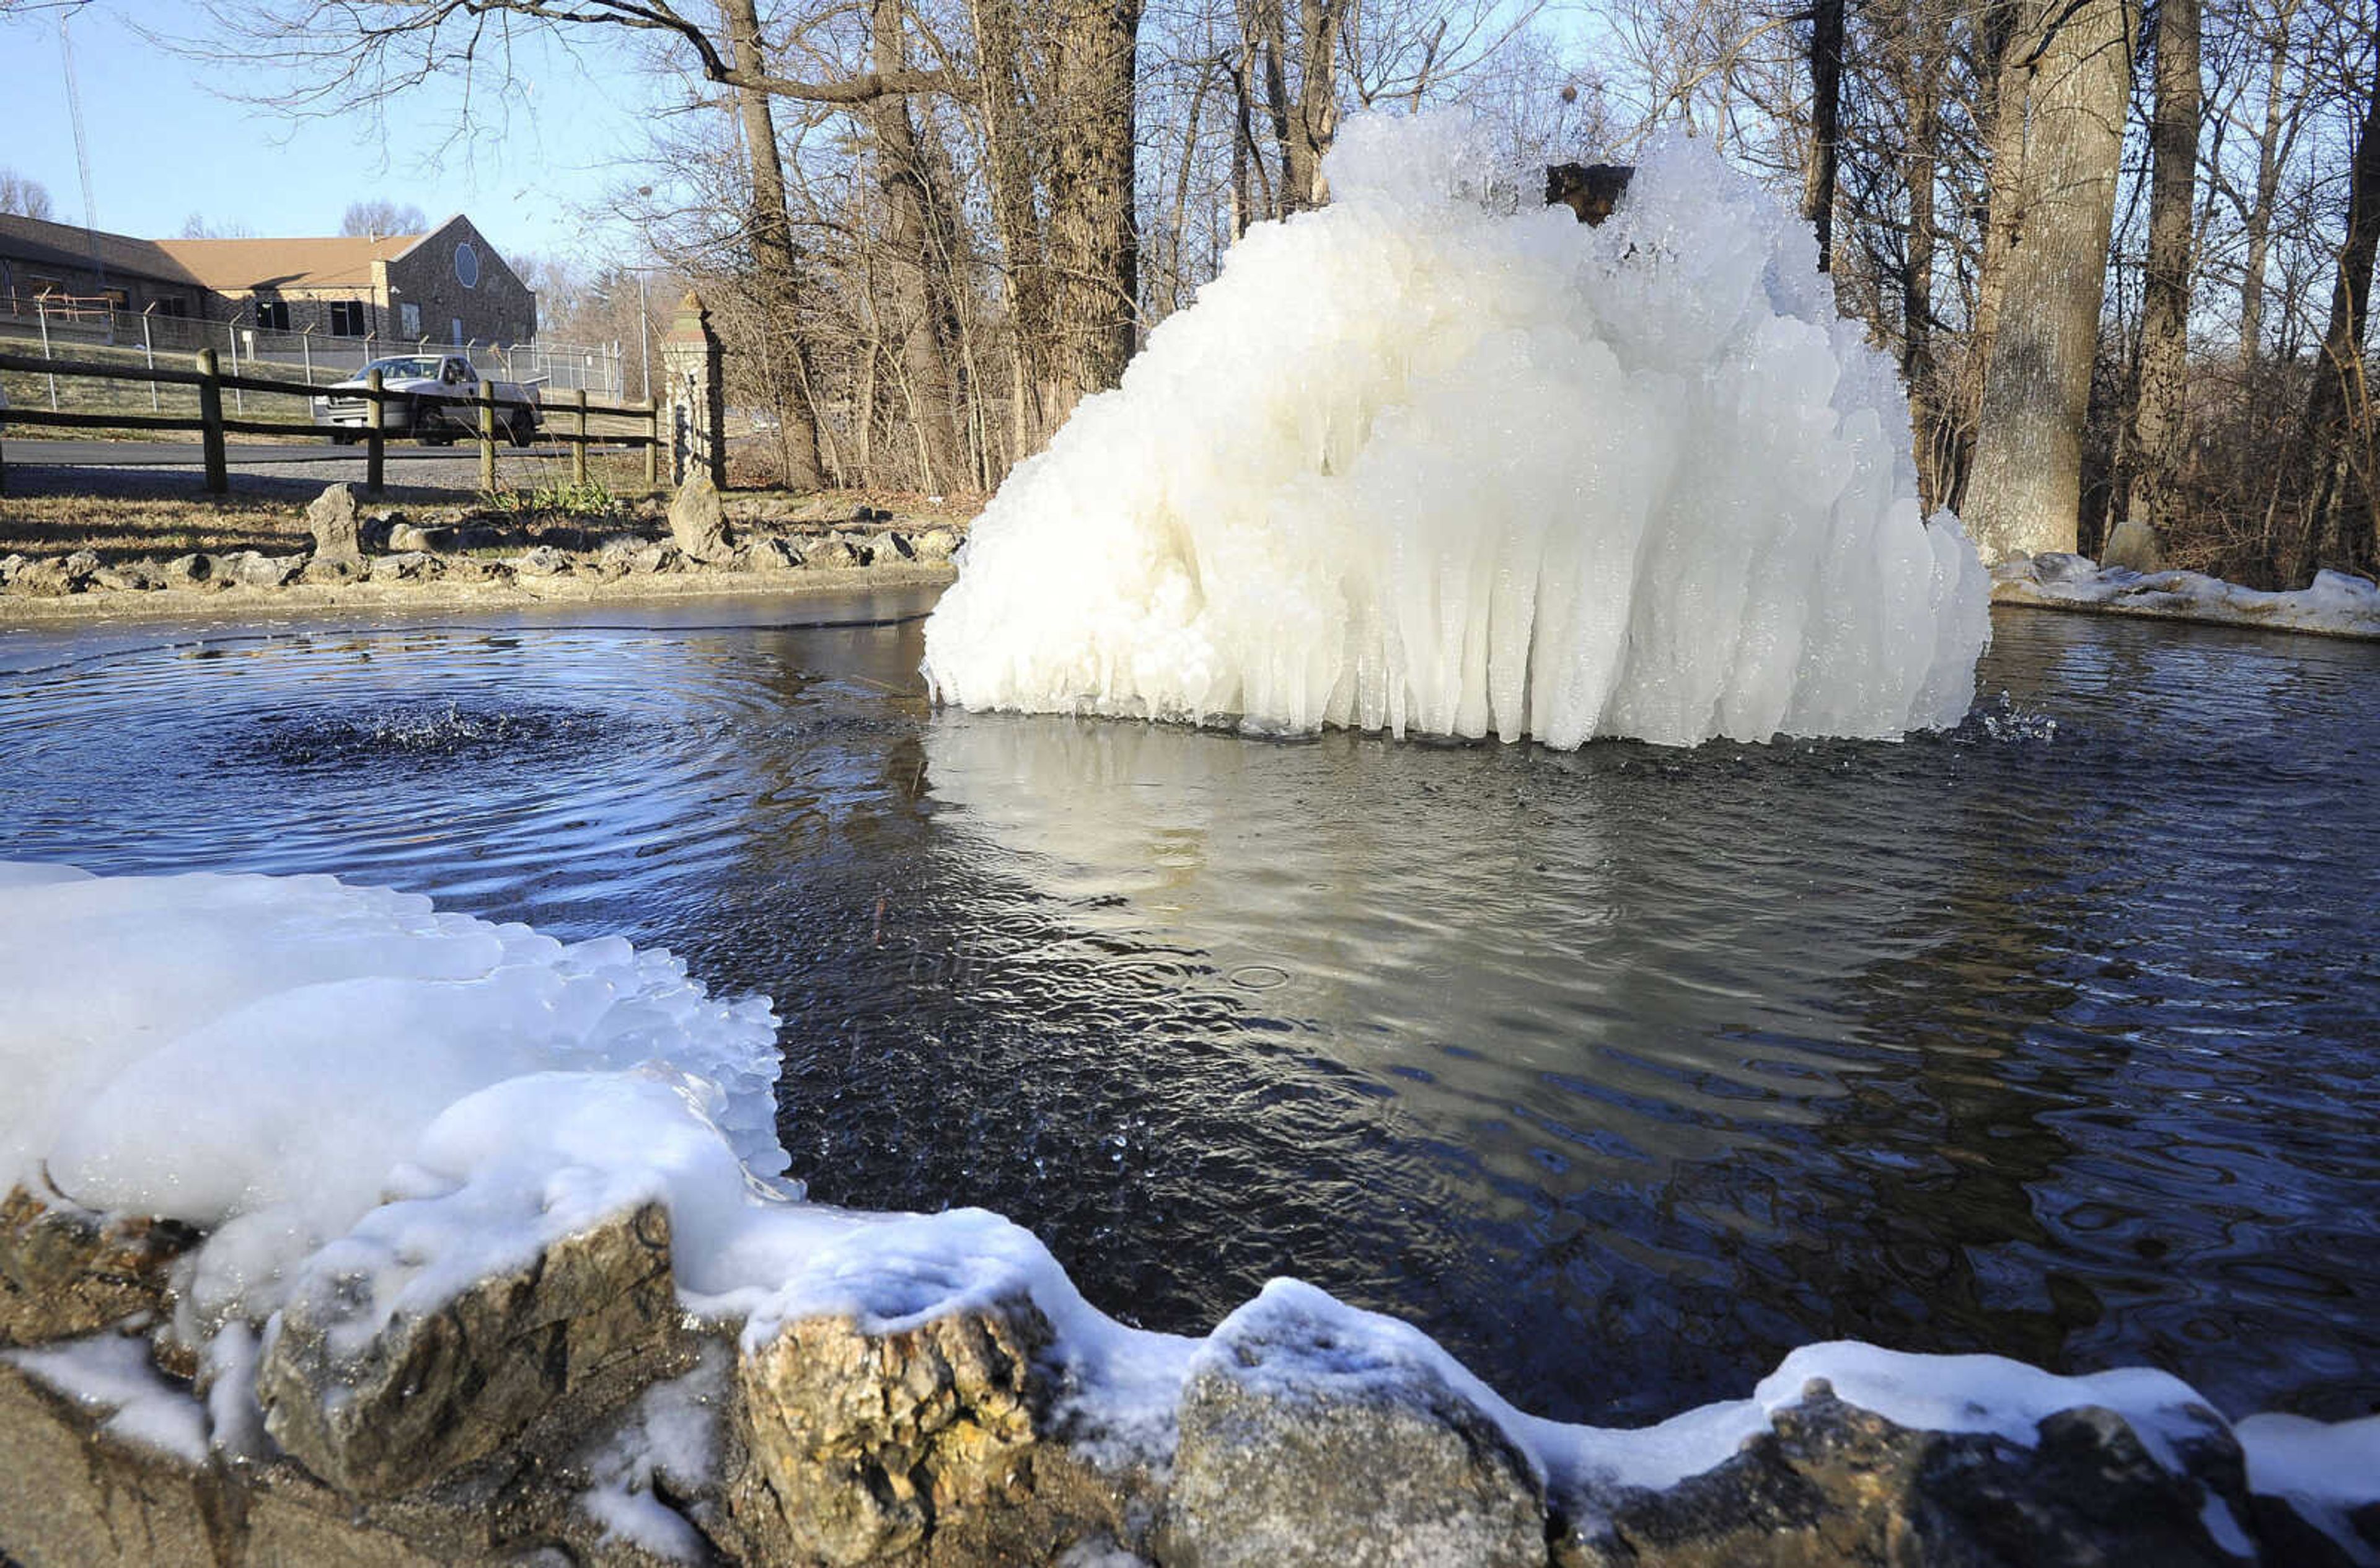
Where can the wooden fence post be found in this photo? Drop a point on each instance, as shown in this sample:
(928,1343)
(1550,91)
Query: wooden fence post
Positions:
(488,437)
(652,443)
(375,436)
(578,447)
(211,429)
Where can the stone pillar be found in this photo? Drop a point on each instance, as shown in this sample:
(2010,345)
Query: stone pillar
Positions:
(696,391)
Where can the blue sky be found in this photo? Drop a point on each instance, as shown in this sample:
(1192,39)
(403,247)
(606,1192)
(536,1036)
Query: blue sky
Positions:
(166,141)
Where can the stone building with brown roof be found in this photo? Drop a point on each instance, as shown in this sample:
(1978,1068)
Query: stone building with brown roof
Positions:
(448,286)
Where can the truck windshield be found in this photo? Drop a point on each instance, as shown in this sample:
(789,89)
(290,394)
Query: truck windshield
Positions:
(394,370)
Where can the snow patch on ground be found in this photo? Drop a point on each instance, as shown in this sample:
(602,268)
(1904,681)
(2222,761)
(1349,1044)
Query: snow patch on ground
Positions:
(1420,462)
(2336,604)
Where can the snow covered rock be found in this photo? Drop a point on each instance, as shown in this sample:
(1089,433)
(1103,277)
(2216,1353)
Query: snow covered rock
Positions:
(65,1272)
(935,544)
(927,1442)
(378,1401)
(1316,1434)
(2334,604)
(1829,1481)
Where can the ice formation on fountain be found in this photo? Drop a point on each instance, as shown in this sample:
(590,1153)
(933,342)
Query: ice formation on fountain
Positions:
(1413,463)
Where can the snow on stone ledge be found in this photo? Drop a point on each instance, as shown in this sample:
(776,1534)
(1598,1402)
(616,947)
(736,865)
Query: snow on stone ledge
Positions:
(2336,604)
(350,1091)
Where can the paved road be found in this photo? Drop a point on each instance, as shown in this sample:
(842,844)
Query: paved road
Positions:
(239,453)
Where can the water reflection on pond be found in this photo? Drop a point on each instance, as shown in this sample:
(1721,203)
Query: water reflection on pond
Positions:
(1620,1071)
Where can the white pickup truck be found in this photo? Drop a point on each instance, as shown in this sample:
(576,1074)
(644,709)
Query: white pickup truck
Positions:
(439,403)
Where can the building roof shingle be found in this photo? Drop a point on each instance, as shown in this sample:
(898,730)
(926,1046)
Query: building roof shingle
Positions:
(230,266)
(66,245)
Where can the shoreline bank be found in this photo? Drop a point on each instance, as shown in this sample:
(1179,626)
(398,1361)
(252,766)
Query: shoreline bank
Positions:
(326,601)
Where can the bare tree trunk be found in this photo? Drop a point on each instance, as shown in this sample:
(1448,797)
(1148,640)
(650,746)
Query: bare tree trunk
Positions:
(1266,25)
(1250,204)
(1094,237)
(1314,122)
(2024,495)
(919,300)
(2004,30)
(776,266)
(1826,120)
(2339,419)
(1926,45)
(2158,413)
(2268,187)
(1010,163)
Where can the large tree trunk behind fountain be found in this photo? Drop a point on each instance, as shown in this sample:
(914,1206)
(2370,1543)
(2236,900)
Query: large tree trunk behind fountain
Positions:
(916,294)
(2158,412)
(776,266)
(1094,240)
(2335,447)
(2075,66)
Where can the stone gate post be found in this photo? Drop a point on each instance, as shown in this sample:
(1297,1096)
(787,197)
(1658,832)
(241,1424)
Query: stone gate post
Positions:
(697,385)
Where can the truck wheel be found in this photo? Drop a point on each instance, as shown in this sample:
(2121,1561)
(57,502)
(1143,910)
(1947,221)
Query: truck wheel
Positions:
(522,429)
(342,438)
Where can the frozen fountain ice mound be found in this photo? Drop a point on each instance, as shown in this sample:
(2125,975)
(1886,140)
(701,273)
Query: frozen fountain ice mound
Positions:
(1417,464)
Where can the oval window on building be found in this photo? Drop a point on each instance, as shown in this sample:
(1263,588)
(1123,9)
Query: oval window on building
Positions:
(467,265)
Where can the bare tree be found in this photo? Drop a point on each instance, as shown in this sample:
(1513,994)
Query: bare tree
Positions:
(1826,120)
(2339,441)
(776,265)
(198,227)
(2068,93)
(23,197)
(380,217)
(2158,413)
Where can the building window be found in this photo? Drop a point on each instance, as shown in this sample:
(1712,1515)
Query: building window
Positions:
(346,318)
(467,265)
(273,315)
(179,309)
(408,320)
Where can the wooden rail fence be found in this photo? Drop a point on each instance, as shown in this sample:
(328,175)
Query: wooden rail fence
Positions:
(212,425)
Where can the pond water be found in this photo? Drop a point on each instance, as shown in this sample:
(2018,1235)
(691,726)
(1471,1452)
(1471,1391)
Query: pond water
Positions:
(1620,1071)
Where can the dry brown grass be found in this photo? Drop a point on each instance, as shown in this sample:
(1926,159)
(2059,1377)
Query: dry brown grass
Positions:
(117,528)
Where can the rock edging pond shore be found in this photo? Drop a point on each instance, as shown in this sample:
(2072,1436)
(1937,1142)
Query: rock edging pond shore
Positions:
(380,559)
(2335,605)
(566,1410)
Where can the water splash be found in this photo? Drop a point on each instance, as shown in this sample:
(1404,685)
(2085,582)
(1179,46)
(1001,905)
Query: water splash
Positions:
(427,732)
(1412,463)
(2009,724)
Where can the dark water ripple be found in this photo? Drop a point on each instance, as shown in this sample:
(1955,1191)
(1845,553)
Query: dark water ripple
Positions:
(1620,1071)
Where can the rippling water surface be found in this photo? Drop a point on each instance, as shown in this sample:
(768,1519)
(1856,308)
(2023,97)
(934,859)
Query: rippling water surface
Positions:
(1620,1071)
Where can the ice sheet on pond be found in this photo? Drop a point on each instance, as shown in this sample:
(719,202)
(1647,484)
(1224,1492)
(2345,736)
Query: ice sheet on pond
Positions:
(1423,462)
